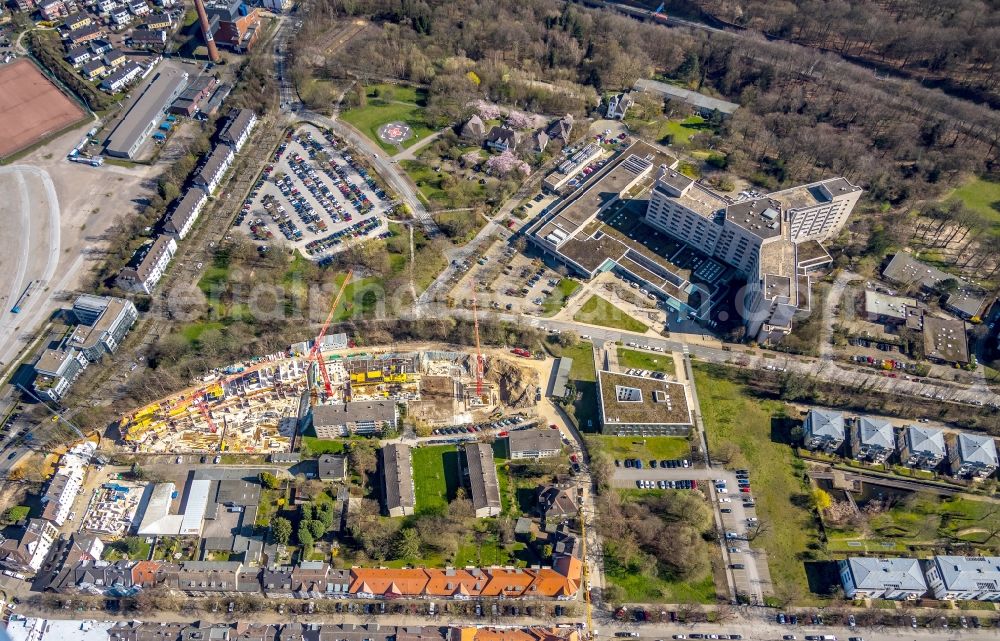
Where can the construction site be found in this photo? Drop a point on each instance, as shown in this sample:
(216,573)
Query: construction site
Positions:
(260,407)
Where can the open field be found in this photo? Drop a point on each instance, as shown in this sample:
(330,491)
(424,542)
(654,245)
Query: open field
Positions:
(921,523)
(755,426)
(645,448)
(31,107)
(435,476)
(644,360)
(403,105)
(597,311)
(982,196)
(317,446)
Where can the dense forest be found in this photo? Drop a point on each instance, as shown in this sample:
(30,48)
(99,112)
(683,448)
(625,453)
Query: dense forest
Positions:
(804,113)
(953,43)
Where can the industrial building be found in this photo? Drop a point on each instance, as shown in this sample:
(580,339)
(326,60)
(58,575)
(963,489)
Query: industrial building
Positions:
(234,24)
(148,107)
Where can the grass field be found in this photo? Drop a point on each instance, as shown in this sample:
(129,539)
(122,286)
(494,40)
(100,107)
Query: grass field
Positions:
(732,415)
(641,589)
(679,130)
(597,311)
(644,360)
(560,294)
(645,448)
(584,376)
(317,446)
(435,476)
(405,105)
(981,196)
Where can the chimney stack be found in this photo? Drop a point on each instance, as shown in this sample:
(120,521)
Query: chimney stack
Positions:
(206,31)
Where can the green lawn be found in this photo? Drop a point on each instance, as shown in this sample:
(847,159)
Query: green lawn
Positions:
(597,311)
(642,589)
(427,180)
(583,374)
(404,107)
(679,130)
(112,553)
(435,476)
(316,446)
(560,294)
(732,415)
(644,360)
(193,331)
(981,196)
(645,448)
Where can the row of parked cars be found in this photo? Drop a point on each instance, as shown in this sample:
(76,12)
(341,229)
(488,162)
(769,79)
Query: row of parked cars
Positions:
(667,485)
(665,463)
(481,427)
(357,230)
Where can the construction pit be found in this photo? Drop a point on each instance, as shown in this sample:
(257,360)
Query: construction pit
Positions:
(257,408)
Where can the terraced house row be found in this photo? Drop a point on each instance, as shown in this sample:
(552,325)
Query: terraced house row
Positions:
(311,579)
(25,629)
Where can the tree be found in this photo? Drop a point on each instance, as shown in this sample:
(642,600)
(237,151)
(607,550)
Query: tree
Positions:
(306,539)
(569,338)
(281,530)
(821,500)
(362,457)
(406,545)
(268,480)
(14,514)
(316,528)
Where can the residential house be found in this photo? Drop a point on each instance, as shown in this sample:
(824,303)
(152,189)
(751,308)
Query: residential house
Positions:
(483,483)
(93,69)
(182,217)
(331,467)
(78,55)
(535,443)
(105,7)
(277,582)
(100,46)
(138,8)
(52,9)
(398,493)
(121,16)
(872,439)
(158,21)
(972,455)
(875,578)
(618,105)
(114,58)
(502,138)
(824,430)
(556,503)
(201,578)
(148,39)
(77,20)
(214,168)
(237,129)
(26,555)
(560,129)
(963,578)
(122,77)
(148,265)
(66,553)
(355,417)
(474,129)
(25,5)
(56,370)
(922,447)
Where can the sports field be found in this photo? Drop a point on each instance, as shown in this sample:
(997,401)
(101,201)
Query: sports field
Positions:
(31,107)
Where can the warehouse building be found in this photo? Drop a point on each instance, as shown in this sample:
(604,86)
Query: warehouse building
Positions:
(143,116)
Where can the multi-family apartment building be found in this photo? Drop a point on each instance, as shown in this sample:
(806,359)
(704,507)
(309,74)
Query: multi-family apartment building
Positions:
(237,129)
(875,578)
(355,417)
(922,447)
(182,217)
(56,370)
(963,578)
(824,430)
(872,439)
(972,455)
(65,484)
(148,265)
(214,168)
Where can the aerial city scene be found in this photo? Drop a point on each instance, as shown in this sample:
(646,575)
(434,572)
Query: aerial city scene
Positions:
(533,320)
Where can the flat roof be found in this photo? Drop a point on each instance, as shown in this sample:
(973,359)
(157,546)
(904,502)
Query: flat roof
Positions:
(636,400)
(85,336)
(821,191)
(886,305)
(146,108)
(562,367)
(196,507)
(945,339)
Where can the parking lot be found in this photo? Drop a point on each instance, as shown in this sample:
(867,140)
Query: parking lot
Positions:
(506,279)
(315,195)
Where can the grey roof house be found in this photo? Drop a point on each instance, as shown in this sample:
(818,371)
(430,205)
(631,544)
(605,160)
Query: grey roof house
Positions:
(872,578)
(824,430)
(483,482)
(966,578)
(972,455)
(537,443)
(332,467)
(872,439)
(922,447)
(397,479)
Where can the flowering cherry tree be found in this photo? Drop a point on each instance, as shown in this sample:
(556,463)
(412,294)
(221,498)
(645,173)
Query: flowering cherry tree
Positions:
(507,163)
(487,111)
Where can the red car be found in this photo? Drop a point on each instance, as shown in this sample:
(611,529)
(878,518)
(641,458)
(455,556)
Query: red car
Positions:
(745,490)
(554,426)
